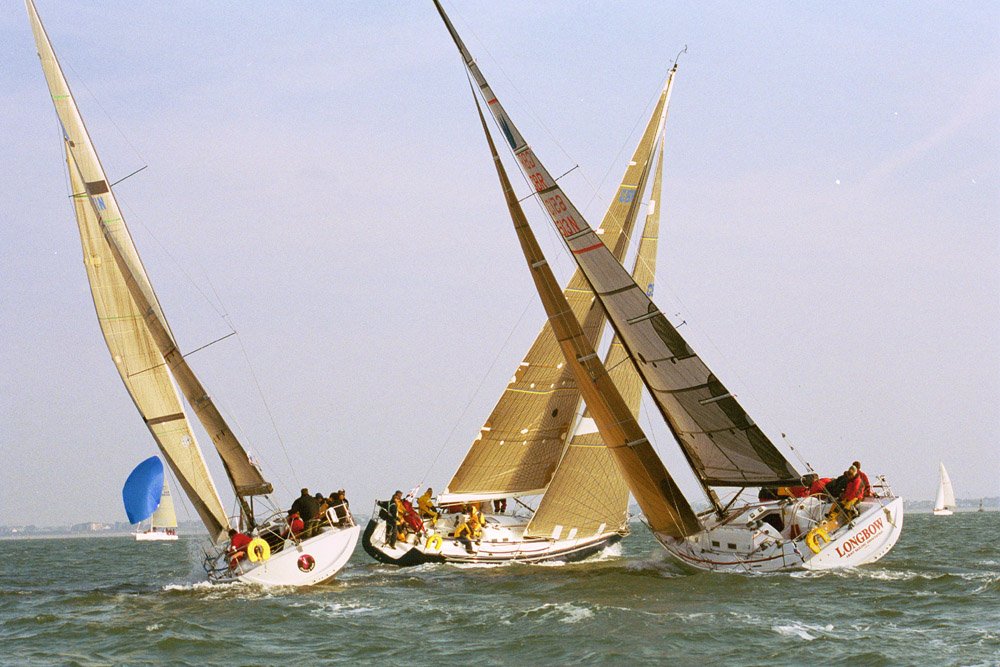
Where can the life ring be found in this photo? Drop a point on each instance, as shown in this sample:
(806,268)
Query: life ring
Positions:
(258,550)
(434,542)
(813,538)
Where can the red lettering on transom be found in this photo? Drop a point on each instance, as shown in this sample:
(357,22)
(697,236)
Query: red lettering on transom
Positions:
(860,538)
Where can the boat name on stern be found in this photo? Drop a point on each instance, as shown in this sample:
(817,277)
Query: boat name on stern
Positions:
(868,532)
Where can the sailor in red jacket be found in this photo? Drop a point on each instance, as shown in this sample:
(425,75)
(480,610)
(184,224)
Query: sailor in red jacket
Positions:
(866,487)
(854,492)
(237,550)
(819,485)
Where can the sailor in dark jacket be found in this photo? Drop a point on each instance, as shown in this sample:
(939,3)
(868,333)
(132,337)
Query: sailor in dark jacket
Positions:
(392,519)
(306,506)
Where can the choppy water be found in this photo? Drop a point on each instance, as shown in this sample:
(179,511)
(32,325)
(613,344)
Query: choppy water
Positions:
(934,600)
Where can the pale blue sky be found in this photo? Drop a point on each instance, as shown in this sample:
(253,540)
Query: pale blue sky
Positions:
(830,229)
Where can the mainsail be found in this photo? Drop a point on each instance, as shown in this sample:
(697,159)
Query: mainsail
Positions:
(523,439)
(164,516)
(583,498)
(124,300)
(665,507)
(720,441)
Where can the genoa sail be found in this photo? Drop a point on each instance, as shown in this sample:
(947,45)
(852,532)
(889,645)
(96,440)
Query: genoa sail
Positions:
(945,499)
(144,355)
(583,498)
(523,440)
(665,507)
(720,441)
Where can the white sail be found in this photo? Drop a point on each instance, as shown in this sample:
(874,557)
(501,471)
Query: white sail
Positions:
(946,494)
(164,516)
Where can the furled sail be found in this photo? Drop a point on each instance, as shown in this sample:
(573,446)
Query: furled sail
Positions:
(523,440)
(583,497)
(720,441)
(123,295)
(164,516)
(665,507)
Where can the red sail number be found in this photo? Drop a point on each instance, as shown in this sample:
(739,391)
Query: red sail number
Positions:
(567,226)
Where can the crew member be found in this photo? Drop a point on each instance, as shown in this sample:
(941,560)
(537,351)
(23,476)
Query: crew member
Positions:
(237,549)
(394,514)
(426,506)
(463,533)
(866,487)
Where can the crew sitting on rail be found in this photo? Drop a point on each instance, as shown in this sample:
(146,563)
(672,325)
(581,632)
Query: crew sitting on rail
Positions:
(463,533)
(854,489)
(237,549)
(866,486)
(426,506)
(338,501)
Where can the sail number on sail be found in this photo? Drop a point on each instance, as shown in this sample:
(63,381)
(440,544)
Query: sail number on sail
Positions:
(555,204)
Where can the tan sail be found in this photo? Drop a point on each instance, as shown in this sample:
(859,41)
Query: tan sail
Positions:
(164,516)
(523,440)
(722,444)
(123,295)
(586,496)
(665,507)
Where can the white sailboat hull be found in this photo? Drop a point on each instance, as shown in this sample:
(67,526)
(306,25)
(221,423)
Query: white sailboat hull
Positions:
(306,563)
(502,541)
(154,536)
(943,512)
(741,544)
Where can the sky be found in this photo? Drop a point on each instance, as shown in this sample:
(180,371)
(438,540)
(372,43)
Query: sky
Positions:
(315,178)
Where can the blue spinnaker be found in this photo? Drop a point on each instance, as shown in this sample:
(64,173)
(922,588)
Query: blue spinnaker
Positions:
(142,490)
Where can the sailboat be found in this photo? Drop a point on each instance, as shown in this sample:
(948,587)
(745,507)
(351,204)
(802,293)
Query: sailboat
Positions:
(535,446)
(146,496)
(944,503)
(149,361)
(720,443)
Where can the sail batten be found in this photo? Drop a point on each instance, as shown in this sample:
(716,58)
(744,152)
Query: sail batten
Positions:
(720,442)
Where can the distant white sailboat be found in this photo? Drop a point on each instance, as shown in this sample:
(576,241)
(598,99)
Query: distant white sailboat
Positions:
(944,504)
(163,523)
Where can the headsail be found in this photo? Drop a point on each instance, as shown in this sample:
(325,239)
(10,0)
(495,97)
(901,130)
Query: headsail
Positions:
(722,444)
(665,507)
(122,297)
(522,441)
(583,496)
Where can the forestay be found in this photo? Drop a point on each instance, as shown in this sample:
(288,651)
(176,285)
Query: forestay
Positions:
(722,444)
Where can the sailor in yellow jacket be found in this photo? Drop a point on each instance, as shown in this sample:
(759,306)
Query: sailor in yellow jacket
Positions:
(426,507)
(463,533)
(476,521)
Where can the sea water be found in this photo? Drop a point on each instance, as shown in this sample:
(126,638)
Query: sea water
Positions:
(934,600)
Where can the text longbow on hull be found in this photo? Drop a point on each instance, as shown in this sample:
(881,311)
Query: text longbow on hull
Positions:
(721,444)
(534,447)
(148,360)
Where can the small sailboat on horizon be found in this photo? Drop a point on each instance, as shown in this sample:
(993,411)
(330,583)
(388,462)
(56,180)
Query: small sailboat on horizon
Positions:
(944,502)
(721,444)
(147,496)
(149,362)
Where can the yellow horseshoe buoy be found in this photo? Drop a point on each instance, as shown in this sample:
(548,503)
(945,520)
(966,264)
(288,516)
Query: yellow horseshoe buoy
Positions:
(434,542)
(813,538)
(258,550)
